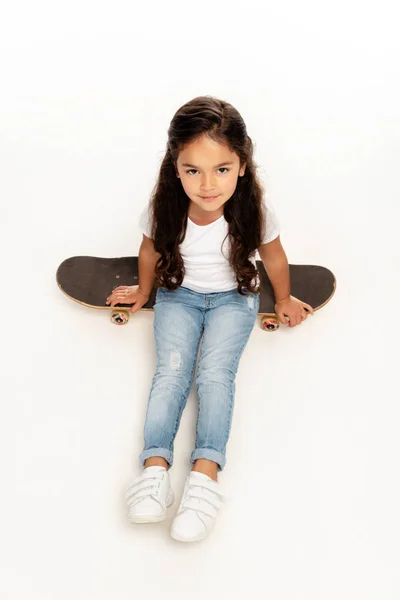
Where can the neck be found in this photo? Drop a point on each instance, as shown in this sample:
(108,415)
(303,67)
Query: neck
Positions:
(203,217)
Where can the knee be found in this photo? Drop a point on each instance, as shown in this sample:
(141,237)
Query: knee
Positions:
(216,374)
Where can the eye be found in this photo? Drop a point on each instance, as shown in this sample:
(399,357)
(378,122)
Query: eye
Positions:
(221,168)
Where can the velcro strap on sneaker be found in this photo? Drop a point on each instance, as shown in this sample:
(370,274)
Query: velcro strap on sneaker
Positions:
(206,496)
(139,489)
(202,507)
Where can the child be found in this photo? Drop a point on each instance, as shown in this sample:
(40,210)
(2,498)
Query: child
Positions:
(206,220)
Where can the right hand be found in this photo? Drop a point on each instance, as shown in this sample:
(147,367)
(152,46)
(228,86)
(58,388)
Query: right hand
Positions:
(125,294)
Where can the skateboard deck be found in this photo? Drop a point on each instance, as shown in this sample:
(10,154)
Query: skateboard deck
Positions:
(90,280)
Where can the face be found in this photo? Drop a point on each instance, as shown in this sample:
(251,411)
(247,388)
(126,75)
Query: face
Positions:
(208,169)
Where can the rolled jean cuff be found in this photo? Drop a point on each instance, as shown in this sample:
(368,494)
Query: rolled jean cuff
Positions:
(209,454)
(163,452)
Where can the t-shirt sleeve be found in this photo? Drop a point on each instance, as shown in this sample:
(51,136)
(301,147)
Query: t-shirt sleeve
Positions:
(272,229)
(144,222)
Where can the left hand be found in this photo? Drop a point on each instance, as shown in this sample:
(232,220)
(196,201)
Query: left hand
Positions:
(292,312)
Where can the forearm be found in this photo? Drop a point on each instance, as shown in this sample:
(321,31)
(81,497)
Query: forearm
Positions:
(276,265)
(147,265)
(278,273)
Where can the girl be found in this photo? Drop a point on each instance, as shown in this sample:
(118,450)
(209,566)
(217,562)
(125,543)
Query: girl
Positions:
(206,219)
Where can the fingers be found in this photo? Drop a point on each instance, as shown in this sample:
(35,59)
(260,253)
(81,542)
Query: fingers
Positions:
(118,297)
(305,311)
(114,299)
(137,306)
(308,308)
(283,319)
(296,315)
(114,293)
(298,318)
(126,295)
(117,290)
(293,319)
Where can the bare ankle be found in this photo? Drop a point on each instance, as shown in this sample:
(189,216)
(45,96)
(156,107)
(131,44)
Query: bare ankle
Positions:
(207,467)
(156,461)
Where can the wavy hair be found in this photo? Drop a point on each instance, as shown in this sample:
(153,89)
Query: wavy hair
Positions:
(206,115)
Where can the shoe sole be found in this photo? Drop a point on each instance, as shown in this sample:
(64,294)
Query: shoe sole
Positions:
(154,519)
(180,539)
(143,520)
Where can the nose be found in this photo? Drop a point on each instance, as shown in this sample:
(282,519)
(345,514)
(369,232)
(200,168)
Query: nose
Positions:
(207,184)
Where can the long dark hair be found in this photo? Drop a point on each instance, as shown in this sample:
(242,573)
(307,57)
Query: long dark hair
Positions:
(169,203)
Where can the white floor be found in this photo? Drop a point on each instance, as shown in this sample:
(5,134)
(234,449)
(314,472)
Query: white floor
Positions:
(312,471)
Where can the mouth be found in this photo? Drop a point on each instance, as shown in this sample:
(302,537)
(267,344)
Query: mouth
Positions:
(209,197)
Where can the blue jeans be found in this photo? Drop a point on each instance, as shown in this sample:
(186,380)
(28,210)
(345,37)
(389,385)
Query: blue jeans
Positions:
(224,321)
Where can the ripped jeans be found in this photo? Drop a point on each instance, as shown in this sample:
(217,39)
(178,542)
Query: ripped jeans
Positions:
(222,322)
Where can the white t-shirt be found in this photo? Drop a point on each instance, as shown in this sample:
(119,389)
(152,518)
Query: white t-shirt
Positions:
(207,268)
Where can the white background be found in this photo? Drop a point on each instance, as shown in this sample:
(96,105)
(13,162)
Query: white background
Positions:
(88,91)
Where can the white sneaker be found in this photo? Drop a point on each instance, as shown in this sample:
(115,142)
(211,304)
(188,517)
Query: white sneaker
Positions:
(149,496)
(199,507)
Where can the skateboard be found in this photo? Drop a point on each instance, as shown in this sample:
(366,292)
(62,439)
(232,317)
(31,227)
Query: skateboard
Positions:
(90,280)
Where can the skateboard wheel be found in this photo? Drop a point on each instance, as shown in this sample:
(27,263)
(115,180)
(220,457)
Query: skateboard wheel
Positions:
(269,324)
(120,317)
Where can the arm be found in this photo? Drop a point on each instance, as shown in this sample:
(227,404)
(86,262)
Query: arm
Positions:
(289,310)
(148,258)
(276,265)
(138,295)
